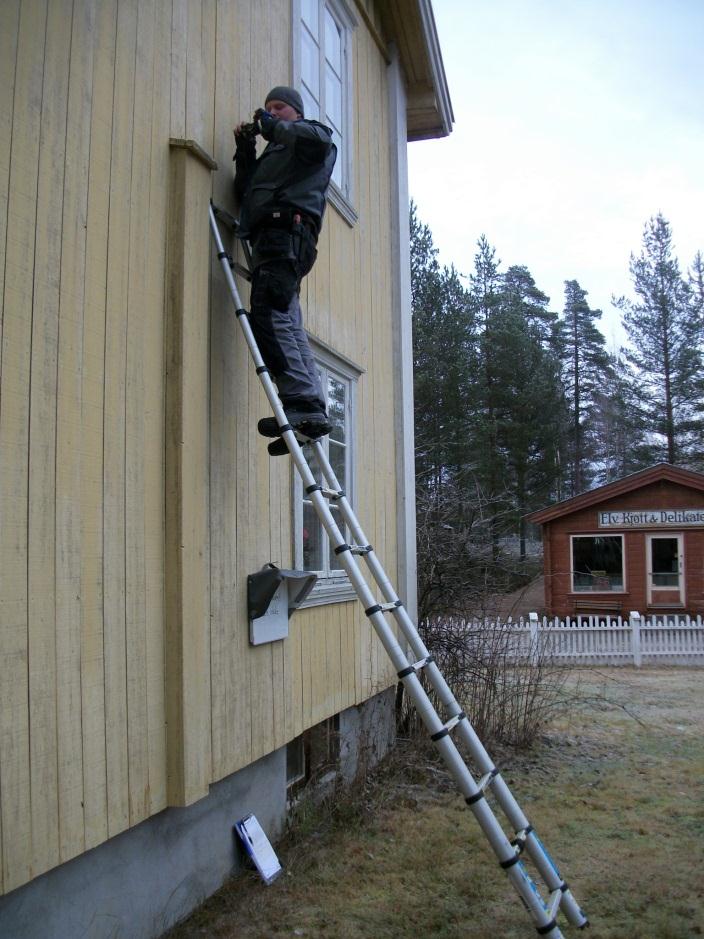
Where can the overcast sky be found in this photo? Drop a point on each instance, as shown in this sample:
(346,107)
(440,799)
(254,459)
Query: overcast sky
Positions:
(575,121)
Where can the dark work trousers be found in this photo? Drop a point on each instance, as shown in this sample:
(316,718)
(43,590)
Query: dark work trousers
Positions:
(280,260)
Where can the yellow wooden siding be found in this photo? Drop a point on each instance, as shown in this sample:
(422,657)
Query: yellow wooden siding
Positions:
(92,432)
(266,696)
(91,93)
(15,367)
(187,537)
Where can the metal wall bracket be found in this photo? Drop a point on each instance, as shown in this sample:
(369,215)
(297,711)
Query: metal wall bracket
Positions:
(272,596)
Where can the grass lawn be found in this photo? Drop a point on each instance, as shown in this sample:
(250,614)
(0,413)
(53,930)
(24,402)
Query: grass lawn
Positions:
(614,788)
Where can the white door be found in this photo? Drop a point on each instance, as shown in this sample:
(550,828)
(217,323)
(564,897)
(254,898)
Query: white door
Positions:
(665,562)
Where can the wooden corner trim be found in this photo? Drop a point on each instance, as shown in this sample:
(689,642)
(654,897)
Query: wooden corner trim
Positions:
(195,148)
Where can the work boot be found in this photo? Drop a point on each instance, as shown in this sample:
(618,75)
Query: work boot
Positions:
(278,447)
(310,424)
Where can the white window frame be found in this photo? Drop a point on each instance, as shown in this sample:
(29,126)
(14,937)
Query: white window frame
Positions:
(342,197)
(598,534)
(332,586)
(681,587)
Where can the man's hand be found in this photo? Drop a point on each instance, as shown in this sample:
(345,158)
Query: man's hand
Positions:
(245,132)
(267,122)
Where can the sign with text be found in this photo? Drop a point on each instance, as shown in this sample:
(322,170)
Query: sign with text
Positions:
(652,518)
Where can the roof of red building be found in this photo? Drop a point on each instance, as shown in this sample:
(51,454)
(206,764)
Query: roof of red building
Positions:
(653,474)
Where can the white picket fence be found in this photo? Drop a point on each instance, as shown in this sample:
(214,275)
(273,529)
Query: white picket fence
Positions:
(671,639)
(614,640)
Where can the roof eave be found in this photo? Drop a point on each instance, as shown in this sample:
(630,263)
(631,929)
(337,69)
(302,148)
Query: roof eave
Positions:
(410,24)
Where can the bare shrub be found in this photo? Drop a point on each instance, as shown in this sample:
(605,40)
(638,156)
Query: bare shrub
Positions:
(508,685)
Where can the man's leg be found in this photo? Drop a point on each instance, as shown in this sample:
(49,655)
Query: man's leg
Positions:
(278,328)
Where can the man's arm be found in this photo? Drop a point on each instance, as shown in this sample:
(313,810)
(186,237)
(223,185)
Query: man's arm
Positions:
(245,162)
(311,141)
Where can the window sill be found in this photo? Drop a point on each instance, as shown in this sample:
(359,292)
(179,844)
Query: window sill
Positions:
(342,204)
(329,590)
(597,593)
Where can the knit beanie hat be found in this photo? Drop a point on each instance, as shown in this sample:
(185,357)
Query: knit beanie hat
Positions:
(288,95)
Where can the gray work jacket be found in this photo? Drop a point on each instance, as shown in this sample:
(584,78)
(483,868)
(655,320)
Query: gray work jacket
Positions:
(293,173)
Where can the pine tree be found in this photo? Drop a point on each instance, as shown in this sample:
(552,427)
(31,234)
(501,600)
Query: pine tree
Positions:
(586,365)
(695,446)
(696,286)
(485,289)
(444,366)
(666,342)
(443,351)
(619,431)
(529,397)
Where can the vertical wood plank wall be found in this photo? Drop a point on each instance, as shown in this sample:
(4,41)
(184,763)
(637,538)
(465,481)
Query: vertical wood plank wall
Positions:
(90,94)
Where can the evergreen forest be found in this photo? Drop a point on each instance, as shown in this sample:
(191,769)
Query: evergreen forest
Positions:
(519,403)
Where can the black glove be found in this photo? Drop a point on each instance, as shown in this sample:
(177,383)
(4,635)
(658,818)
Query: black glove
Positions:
(267,122)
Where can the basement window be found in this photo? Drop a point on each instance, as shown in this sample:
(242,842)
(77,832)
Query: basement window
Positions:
(597,564)
(313,756)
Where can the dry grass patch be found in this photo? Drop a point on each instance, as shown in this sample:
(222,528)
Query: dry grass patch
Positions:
(614,789)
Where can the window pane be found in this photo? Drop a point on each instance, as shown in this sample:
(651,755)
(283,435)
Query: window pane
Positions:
(665,562)
(309,12)
(333,42)
(336,408)
(313,464)
(310,105)
(337,462)
(310,65)
(312,540)
(335,564)
(295,761)
(597,563)
(333,98)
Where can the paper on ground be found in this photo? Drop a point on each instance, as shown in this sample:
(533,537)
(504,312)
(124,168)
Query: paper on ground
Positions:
(258,847)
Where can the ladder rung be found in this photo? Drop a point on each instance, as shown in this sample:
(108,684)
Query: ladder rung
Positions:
(521,837)
(555,900)
(234,265)
(482,785)
(447,727)
(354,548)
(382,608)
(332,494)
(416,667)
(488,778)
(224,216)
(241,270)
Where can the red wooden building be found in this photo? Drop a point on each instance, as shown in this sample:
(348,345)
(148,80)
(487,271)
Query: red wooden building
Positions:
(634,544)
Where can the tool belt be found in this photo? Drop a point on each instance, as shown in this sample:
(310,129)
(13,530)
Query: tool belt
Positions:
(285,219)
(287,235)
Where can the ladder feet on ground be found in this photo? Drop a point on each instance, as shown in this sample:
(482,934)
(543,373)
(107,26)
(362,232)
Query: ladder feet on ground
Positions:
(525,844)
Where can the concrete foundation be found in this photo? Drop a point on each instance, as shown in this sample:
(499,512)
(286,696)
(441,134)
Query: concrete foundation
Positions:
(138,884)
(367,733)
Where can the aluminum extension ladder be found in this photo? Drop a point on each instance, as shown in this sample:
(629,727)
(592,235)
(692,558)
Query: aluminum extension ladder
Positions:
(525,840)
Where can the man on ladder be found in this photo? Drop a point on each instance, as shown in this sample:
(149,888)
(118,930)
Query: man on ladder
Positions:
(282,203)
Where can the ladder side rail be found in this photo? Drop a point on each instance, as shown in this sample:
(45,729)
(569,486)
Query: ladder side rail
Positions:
(396,654)
(473,794)
(468,787)
(515,815)
(227,264)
